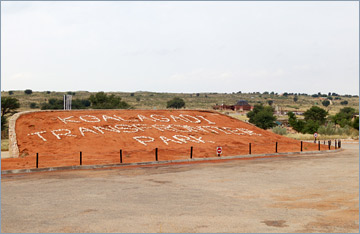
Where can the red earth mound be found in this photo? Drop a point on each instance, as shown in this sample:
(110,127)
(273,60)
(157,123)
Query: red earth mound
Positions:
(59,137)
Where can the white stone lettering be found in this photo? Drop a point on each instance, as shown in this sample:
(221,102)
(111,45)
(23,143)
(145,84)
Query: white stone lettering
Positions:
(195,120)
(82,130)
(92,118)
(141,117)
(107,128)
(165,140)
(161,119)
(179,118)
(197,139)
(68,119)
(38,134)
(106,117)
(149,139)
(57,135)
(200,116)
(126,128)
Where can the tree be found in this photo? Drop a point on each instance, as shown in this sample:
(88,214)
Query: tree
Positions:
(176,102)
(316,114)
(356,123)
(296,98)
(3,122)
(344,116)
(285,94)
(28,91)
(33,105)
(58,104)
(325,103)
(262,117)
(270,102)
(103,101)
(9,105)
(297,125)
(53,104)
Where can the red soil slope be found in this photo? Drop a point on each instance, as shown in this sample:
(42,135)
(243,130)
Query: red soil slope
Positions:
(59,136)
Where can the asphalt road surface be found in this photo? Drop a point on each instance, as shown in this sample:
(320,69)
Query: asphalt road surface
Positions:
(298,193)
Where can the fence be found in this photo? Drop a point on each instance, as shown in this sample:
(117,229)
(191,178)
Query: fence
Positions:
(163,154)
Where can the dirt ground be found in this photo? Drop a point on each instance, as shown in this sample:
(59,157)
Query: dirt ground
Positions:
(298,193)
(59,137)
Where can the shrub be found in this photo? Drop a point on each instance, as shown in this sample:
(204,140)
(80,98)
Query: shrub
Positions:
(344,116)
(33,105)
(356,123)
(9,105)
(176,103)
(316,114)
(11,92)
(325,103)
(329,129)
(103,101)
(344,103)
(28,91)
(262,117)
(279,130)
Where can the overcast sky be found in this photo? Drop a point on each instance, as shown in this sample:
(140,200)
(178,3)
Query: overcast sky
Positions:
(305,47)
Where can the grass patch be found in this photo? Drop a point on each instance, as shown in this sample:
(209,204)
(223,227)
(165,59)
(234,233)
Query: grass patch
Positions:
(4,144)
(299,136)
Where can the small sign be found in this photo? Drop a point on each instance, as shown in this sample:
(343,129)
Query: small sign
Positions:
(219,150)
(315,134)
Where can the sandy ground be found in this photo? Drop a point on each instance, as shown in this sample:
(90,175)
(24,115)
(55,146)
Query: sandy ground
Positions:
(307,193)
(59,137)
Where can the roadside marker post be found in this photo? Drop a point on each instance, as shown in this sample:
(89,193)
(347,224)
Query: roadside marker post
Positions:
(219,150)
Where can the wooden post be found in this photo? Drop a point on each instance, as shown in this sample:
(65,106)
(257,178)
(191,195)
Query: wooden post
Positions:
(80,158)
(329,144)
(276,145)
(301,146)
(156,154)
(319,145)
(37,160)
(191,152)
(120,156)
(249,148)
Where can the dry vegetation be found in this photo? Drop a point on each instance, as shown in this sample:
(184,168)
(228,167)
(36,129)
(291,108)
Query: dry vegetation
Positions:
(152,100)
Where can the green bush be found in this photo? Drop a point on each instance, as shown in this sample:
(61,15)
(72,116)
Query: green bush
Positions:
(28,91)
(325,103)
(262,116)
(329,129)
(176,103)
(33,105)
(279,130)
(103,101)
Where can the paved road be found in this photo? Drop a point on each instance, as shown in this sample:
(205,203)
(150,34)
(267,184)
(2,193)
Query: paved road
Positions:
(307,193)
